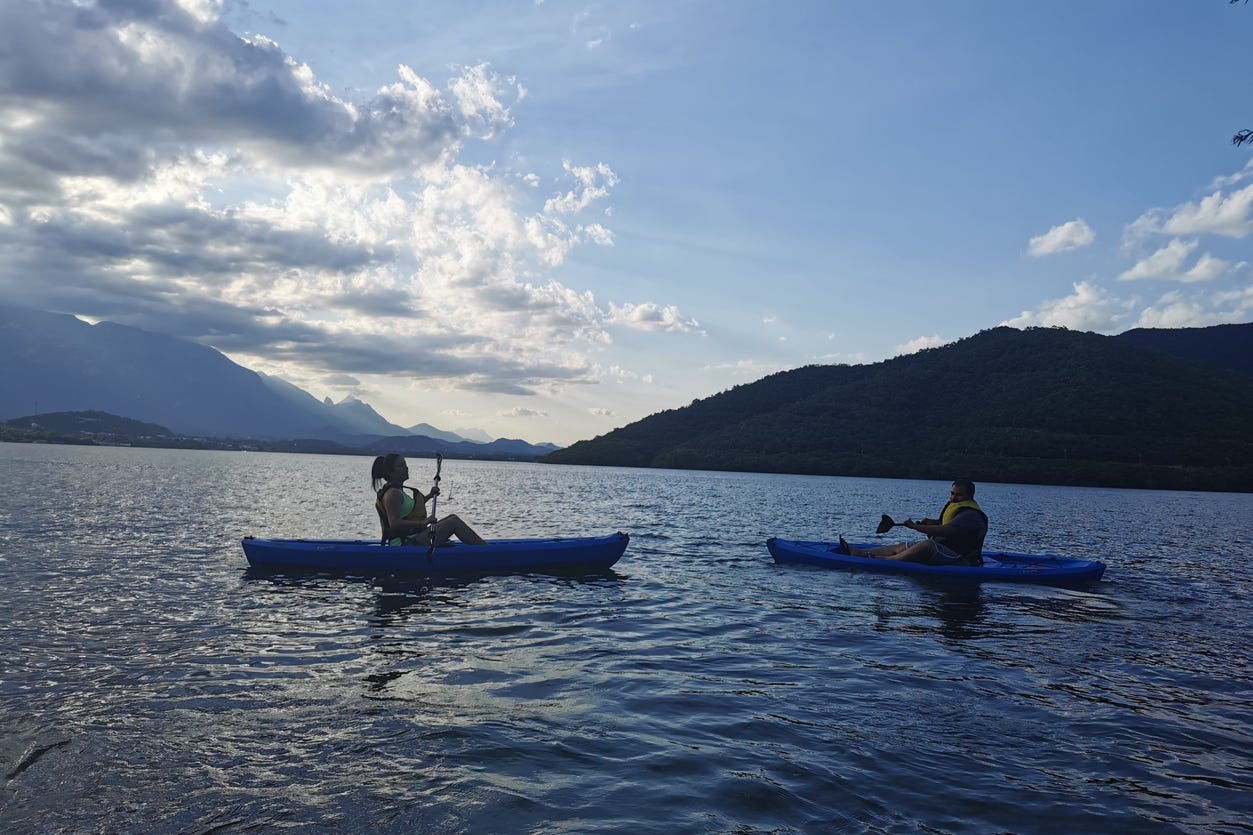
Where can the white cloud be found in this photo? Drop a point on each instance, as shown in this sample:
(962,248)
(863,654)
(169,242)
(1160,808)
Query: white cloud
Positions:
(204,11)
(1236,305)
(854,358)
(1207,267)
(746,368)
(1193,309)
(1243,174)
(593,183)
(597,234)
(1169,263)
(521,412)
(159,170)
(1229,215)
(601,412)
(1174,310)
(1088,308)
(913,346)
(1072,234)
(617,372)
(650,317)
(476,94)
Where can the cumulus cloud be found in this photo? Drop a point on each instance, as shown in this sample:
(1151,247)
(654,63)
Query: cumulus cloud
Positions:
(160,170)
(1170,263)
(620,374)
(342,381)
(1236,305)
(650,317)
(1072,234)
(476,95)
(1175,310)
(1091,308)
(1088,308)
(1191,308)
(843,358)
(1226,181)
(105,89)
(1218,213)
(522,412)
(1225,212)
(922,343)
(601,412)
(746,368)
(592,183)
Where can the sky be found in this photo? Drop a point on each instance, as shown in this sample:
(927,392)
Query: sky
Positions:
(543,219)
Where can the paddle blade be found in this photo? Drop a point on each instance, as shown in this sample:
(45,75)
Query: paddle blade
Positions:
(885,524)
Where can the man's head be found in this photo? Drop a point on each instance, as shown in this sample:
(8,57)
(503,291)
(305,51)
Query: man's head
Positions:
(962,491)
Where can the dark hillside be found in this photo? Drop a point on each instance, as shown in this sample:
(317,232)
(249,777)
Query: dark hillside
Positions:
(90,423)
(1043,405)
(1227,346)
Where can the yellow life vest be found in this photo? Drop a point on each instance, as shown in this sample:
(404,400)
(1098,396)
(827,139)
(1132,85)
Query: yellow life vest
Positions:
(969,544)
(953,508)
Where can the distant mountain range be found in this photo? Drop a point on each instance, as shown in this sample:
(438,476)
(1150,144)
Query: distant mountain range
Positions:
(1148,408)
(1166,408)
(55,363)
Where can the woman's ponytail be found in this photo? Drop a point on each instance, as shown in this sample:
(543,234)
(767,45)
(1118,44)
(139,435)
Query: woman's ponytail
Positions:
(382,468)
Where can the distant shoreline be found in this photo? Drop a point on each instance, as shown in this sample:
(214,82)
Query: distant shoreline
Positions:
(1184,480)
(316,447)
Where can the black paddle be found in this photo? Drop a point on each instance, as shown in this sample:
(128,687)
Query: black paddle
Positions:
(886,524)
(430,536)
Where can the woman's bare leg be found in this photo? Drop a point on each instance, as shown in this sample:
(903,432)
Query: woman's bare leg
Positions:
(452,525)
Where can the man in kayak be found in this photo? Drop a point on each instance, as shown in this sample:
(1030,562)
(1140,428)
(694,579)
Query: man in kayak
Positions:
(956,538)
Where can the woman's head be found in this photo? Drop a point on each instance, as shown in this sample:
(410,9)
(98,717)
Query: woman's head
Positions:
(388,469)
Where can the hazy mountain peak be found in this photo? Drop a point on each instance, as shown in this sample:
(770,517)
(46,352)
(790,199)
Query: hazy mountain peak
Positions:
(473,434)
(56,362)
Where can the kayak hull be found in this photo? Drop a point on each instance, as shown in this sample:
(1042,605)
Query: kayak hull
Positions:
(592,553)
(999,566)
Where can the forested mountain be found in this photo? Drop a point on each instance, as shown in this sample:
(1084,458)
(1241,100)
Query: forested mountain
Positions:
(1230,346)
(90,423)
(1045,405)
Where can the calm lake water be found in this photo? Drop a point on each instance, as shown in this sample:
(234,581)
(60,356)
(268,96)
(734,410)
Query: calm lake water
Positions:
(151,682)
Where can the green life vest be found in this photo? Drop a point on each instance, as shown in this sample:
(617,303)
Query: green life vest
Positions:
(410,508)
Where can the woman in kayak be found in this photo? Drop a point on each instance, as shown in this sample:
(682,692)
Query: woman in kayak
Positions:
(403,516)
(956,538)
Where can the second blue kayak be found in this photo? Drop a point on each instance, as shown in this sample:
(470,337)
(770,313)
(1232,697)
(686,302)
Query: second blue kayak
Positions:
(1000,566)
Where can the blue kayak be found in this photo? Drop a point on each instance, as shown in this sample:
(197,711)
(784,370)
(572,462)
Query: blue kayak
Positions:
(590,553)
(1001,566)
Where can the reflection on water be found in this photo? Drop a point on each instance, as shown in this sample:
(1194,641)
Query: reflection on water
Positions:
(958,610)
(395,594)
(154,683)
